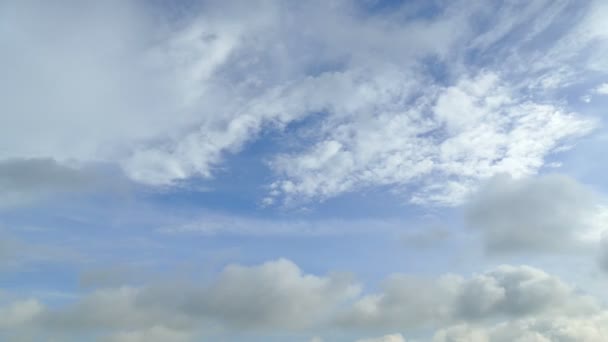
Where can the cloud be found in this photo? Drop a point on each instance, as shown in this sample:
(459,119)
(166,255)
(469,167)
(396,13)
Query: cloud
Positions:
(277,297)
(448,140)
(385,338)
(555,329)
(75,87)
(602,89)
(507,292)
(19,312)
(603,257)
(167,99)
(24,181)
(546,213)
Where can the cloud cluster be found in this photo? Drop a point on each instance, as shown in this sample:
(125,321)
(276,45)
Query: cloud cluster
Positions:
(555,329)
(409,101)
(449,141)
(275,295)
(278,297)
(506,292)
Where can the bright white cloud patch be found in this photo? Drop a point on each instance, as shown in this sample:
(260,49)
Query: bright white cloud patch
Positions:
(449,140)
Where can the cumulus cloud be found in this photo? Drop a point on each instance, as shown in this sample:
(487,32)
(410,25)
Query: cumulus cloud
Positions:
(275,295)
(278,297)
(507,292)
(546,213)
(167,99)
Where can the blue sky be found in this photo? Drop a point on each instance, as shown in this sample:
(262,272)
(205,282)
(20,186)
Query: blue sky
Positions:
(357,171)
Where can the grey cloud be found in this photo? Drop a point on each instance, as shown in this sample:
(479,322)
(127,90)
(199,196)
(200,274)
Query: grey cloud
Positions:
(23,181)
(518,292)
(603,257)
(545,213)
(278,297)
(19,312)
(506,292)
(273,296)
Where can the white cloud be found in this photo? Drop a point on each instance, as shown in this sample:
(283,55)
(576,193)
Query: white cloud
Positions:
(546,213)
(169,101)
(450,141)
(602,89)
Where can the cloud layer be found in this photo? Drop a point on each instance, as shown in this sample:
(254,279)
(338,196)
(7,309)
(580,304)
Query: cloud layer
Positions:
(428,105)
(278,297)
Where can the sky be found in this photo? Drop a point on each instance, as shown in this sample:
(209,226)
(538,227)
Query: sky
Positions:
(306,171)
